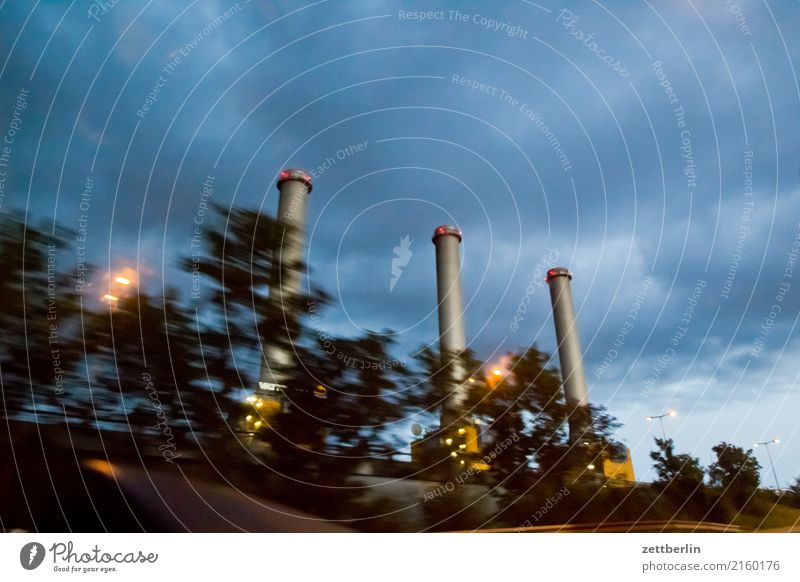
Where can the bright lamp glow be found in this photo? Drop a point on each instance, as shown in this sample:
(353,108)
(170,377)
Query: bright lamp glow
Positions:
(122,280)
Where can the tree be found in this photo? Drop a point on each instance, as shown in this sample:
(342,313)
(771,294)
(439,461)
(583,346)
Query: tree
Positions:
(37,308)
(793,492)
(528,402)
(736,471)
(680,473)
(235,322)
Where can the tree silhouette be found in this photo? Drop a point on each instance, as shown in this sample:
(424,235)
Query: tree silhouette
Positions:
(736,471)
(36,315)
(680,473)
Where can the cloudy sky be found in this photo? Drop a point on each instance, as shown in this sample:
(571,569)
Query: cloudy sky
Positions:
(652,149)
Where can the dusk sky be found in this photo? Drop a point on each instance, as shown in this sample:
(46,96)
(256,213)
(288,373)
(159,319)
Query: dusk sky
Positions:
(649,147)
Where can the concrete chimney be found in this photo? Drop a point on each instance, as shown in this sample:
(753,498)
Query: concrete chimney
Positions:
(569,352)
(294,186)
(452,338)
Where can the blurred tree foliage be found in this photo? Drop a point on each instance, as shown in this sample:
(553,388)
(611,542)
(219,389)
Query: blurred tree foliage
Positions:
(679,473)
(37,317)
(736,471)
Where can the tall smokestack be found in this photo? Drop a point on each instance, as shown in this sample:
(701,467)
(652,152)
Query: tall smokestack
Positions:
(452,339)
(569,352)
(294,186)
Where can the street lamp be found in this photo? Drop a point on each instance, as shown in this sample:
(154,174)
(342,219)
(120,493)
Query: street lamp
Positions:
(771,463)
(660,418)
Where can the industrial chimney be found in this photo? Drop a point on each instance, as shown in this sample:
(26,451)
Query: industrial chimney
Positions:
(569,352)
(294,186)
(452,339)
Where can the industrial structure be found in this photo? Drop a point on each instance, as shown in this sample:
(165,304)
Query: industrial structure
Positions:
(294,186)
(457,435)
(452,338)
(569,352)
(270,397)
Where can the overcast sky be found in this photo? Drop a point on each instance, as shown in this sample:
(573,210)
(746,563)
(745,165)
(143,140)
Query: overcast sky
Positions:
(651,149)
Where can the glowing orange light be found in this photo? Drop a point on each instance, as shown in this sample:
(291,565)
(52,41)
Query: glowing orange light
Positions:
(123,280)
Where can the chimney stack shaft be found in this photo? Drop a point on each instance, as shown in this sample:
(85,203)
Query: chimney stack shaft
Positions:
(569,351)
(294,186)
(452,340)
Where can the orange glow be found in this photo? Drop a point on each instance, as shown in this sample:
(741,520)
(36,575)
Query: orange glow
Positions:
(100,466)
(123,280)
(110,298)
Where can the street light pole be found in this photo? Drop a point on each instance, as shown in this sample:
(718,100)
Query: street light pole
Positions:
(660,418)
(771,463)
